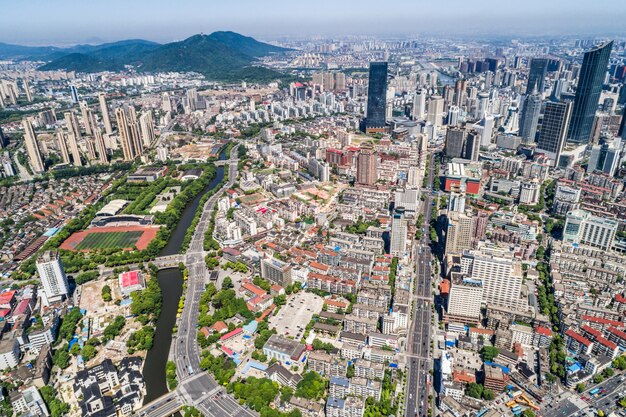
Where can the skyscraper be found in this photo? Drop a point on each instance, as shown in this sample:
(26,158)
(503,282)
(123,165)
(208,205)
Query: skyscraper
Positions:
(74,94)
(459,233)
(530,117)
(622,126)
(605,157)
(32,147)
(100,147)
(147,128)
(105,113)
(551,140)
(588,91)
(52,276)
(397,246)
(367,166)
(537,75)
(65,156)
(472,146)
(29,94)
(376,98)
(435,111)
(72,136)
(3,140)
(128,149)
(419,104)
(455,142)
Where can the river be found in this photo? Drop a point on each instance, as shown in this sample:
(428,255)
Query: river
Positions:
(171,282)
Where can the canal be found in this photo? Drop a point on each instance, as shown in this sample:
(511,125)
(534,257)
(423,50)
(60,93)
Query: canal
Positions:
(171,282)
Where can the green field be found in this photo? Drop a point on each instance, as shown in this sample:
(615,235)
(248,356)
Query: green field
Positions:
(107,240)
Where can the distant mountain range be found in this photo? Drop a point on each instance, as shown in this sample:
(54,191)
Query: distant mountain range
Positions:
(224,56)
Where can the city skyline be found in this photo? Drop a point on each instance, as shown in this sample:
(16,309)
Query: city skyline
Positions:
(68,22)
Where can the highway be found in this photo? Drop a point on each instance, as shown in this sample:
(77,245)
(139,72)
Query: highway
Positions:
(196,387)
(418,350)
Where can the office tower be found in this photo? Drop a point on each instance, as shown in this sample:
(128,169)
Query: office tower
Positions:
(530,118)
(192,99)
(105,113)
(455,142)
(622,127)
(487,124)
(529,192)
(376,97)
(482,105)
(147,128)
(86,115)
(458,232)
(32,147)
(537,75)
(397,246)
(367,166)
(340,82)
(464,299)
(65,156)
(29,94)
(74,94)
(605,157)
(100,147)
(500,274)
(419,104)
(582,227)
(276,271)
(472,146)
(453,116)
(435,111)
(3,139)
(52,276)
(128,150)
(459,92)
(590,81)
(551,140)
(72,136)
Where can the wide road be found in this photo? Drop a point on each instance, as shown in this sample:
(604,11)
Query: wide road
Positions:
(201,390)
(418,350)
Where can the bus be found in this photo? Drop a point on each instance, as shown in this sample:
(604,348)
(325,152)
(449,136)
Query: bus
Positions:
(594,391)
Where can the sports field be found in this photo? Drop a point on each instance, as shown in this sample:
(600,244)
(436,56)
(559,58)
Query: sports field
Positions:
(109,240)
(123,237)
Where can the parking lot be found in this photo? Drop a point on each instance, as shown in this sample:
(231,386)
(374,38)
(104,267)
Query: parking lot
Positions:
(296,314)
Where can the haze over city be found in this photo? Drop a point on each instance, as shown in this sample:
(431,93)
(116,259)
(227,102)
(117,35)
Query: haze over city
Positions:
(67,22)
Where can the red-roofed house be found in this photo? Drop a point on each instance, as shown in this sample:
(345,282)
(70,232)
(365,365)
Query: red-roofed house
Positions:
(577,343)
(131,281)
(620,303)
(232,334)
(219,327)
(260,303)
(542,337)
(617,336)
(461,375)
(276,289)
(205,331)
(250,290)
(7,299)
(600,323)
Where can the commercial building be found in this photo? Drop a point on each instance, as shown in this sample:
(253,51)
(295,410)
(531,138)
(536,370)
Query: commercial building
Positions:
(282,349)
(556,118)
(582,227)
(537,75)
(375,119)
(367,166)
(399,229)
(276,271)
(464,299)
(459,231)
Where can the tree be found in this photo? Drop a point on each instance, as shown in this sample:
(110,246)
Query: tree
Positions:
(489,353)
(528,413)
(88,352)
(62,357)
(620,363)
(312,386)
(106,293)
(580,387)
(488,394)
(474,390)
(57,407)
(227,283)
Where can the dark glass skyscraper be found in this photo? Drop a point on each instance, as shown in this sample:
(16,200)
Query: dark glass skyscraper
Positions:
(376,97)
(588,92)
(556,117)
(622,125)
(537,75)
(530,118)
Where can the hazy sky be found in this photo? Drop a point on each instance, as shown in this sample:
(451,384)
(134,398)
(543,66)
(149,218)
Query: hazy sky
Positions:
(72,21)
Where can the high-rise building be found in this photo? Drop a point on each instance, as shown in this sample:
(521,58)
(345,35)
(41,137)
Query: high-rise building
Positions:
(74,94)
(530,117)
(3,140)
(147,128)
(166,103)
(397,246)
(605,157)
(376,98)
(123,130)
(582,227)
(435,111)
(100,147)
(86,115)
(72,136)
(105,113)
(367,166)
(453,116)
(62,144)
(590,81)
(458,232)
(29,94)
(464,299)
(487,124)
(551,140)
(622,126)
(471,150)
(419,104)
(500,274)
(276,271)
(455,142)
(32,147)
(537,75)
(52,276)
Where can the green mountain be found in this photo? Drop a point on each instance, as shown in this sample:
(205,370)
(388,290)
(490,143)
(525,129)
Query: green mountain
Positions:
(224,56)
